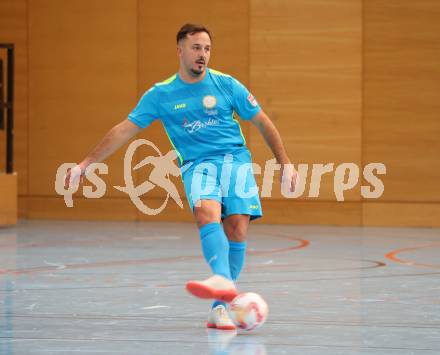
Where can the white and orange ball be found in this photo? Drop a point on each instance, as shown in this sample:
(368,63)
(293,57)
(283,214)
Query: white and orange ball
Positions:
(248,311)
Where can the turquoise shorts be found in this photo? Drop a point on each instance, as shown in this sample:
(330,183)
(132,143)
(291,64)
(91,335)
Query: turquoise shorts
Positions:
(228,179)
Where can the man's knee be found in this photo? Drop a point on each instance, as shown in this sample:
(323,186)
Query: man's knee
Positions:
(207,211)
(236,227)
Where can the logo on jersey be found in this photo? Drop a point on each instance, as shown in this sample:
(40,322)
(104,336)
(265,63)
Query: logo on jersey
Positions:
(209,102)
(252,100)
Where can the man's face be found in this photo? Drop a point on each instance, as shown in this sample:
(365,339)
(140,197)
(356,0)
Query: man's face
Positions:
(194,52)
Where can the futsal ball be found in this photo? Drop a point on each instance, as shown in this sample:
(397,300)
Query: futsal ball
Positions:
(248,311)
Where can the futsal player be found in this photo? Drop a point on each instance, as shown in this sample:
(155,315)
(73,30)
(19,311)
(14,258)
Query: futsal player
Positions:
(196,107)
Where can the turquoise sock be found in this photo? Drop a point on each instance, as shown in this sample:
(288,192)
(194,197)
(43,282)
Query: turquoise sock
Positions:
(237,253)
(215,249)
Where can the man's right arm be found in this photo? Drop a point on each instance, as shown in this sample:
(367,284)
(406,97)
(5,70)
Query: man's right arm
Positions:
(112,141)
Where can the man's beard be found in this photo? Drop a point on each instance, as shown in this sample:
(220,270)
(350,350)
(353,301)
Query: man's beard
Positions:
(196,72)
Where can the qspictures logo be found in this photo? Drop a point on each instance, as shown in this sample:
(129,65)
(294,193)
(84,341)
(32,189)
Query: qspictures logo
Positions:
(346,177)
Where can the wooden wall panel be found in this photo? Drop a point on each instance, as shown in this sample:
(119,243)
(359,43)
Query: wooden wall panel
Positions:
(171,213)
(90,61)
(82,79)
(103,209)
(311,212)
(401,126)
(13,29)
(8,199)
(305,61)
(416,214)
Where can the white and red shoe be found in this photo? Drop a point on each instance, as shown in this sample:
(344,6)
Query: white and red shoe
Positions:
(218,318)
(216,287)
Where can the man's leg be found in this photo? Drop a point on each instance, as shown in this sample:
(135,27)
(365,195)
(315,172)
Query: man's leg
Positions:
(214,242)
(215,248)
(203,186)
(235,227)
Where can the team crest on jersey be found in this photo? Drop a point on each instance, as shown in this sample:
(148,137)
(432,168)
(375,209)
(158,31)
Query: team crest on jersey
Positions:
(252,100)
(209,102)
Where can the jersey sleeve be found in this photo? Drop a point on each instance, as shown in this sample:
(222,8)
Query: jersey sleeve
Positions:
(146,110)
(244,102)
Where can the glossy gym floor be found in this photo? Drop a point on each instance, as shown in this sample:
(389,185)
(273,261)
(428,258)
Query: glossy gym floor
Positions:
(118,288)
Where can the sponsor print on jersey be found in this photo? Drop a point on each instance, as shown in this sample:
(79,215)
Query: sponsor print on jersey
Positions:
(252,100)
(192,127)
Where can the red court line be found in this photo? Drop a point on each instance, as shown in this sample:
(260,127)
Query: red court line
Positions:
(303,243)
(26,271)
(374,264)
(70,243)
(392,255)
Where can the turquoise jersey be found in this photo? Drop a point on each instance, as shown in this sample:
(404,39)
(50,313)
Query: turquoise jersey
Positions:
(199,117)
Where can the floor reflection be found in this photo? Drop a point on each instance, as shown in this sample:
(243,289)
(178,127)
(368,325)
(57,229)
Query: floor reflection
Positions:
(6,326)
(8,256)
(223,342)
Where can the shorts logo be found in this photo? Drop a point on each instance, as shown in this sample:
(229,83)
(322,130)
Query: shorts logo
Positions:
(209,102)
(253,207)
(179,106)
(252,100)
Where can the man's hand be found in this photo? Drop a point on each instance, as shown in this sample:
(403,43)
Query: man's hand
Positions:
(289,177)
(73,177)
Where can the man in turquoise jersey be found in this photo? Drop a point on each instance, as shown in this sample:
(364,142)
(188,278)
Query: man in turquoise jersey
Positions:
(196,107)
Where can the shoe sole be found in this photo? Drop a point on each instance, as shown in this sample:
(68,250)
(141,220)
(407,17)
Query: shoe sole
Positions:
(225,327)
(202,291)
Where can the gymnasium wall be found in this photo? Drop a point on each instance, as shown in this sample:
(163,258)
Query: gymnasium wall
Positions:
(401,116)
(345,81)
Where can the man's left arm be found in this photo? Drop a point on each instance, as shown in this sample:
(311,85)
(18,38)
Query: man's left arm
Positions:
(273,140)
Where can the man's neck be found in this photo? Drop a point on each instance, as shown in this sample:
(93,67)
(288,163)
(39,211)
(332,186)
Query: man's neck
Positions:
(188,78)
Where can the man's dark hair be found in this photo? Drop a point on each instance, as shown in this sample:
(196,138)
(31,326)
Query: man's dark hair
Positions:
(191,29)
